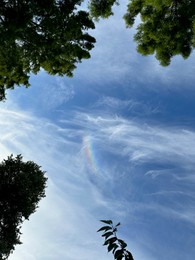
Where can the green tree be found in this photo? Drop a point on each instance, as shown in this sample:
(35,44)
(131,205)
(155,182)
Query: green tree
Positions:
(52,34)
(114,244)
(22,186)
(101,8)
(167,27)
(48,34)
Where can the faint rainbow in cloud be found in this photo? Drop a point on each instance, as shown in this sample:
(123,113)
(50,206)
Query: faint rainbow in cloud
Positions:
(90,153)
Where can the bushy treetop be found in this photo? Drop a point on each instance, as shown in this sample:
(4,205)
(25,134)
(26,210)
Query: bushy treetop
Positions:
(22,186)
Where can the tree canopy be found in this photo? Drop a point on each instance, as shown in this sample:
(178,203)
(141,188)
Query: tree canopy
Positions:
(101,8)
(48,34)
(53,34)
(22,186)
(167,27)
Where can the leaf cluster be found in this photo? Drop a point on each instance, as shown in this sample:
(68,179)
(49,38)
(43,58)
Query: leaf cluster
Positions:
(47,34)
(167,27)
(22,186)
(166,30)
(114,244)
(101,8)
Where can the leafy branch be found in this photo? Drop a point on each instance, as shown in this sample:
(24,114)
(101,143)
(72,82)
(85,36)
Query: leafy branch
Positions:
(114,244)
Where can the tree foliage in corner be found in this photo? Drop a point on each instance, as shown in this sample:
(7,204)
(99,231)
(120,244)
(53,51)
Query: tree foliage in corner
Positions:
(22,186)
(101,8)
(52,34)
(115,245)
(167,27)
(48,34)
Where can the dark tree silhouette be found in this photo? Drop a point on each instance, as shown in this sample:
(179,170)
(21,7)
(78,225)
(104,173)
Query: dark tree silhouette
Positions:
(114,244)
(48,34)
(22,186)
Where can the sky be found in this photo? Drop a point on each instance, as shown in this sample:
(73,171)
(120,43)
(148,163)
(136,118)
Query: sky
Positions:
(117,142)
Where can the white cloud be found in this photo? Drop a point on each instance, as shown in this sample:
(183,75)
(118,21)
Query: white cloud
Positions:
(65,224)
(140,142)
(169,152)
(64,227)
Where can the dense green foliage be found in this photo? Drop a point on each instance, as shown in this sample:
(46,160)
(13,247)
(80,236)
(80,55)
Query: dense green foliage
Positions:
(48,34)
(101,8)
(114,244)
(167,27)
(22,186)
(52,34)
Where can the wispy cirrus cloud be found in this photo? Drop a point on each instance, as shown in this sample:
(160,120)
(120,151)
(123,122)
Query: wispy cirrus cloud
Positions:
(64,227)
(141,170)
(139,141)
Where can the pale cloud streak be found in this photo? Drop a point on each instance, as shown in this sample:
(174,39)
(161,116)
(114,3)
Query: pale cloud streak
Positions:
(140,142)
(64,227)
(66,222)
(167,151)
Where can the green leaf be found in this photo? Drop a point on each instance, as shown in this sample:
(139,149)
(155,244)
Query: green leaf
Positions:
(115,247)
(107,234)
(109,222)
(123,244)
(49,35)
(129,256)
(110,240)
(105,228)
(111,246)
(118,254)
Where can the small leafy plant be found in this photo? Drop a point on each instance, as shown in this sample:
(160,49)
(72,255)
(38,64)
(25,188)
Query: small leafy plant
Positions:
(114,244)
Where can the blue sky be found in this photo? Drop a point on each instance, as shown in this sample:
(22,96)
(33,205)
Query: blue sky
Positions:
(117,142)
